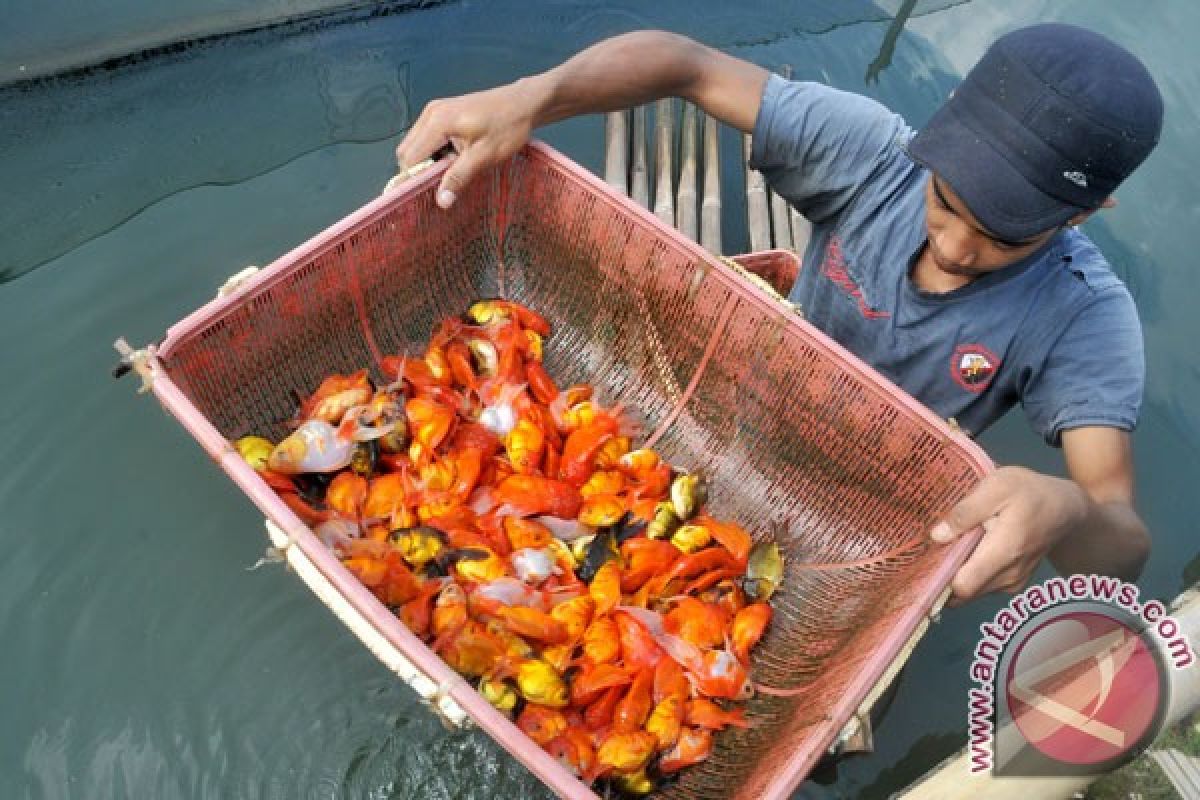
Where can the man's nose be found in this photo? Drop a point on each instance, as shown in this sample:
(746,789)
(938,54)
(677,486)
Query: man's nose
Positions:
(956,242)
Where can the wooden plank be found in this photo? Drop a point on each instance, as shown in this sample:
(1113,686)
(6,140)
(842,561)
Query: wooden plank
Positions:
(664,149)
(616,150)
(781,222)
(685,203)
(639,180)
(757,214)
(710,207)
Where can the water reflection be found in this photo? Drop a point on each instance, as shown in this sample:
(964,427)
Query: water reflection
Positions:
(884,59)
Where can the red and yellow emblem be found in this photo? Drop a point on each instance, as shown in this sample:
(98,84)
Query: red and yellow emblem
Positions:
(973,366)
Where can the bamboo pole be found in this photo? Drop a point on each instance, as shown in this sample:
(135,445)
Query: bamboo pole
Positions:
(757,216)
(685,203)
(664,147)
(639,181)
(710,208)
(781,220)
(616,150)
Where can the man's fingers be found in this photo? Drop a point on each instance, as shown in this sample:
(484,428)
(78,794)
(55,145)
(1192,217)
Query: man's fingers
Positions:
(983,503)
(427,135)
(461,172)
(419,145)
(974,576)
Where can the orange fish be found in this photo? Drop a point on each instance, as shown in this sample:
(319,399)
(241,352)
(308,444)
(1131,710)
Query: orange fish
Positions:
(666,720)
(541,723)
(693,746)
(336,395)
(602,482)
(602,510)
(449,612)
(347,493)
(670,681)
(387,494)
(748,628)
(645,558)
(537,681)
(582,445)
(691,566)
(638,647)
(593,679)
(574,748)
(416,613)
(631,713)
(600,642)
(704,713)
(624,752)
(540,383)
(719,674)
(458,357)
(575,615)
(533,495)
(611,453)
(472,651)
(525,445)
(599,713)
(439,367)
(524,621)
(605,588)
(399,585)
(729,535)
(526,533)
(430,422)
(369,571)
(702,624)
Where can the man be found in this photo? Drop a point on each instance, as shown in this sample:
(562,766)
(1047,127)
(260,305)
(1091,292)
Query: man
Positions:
(948,260)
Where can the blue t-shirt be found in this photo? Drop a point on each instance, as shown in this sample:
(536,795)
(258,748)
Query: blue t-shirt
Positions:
(1057,331)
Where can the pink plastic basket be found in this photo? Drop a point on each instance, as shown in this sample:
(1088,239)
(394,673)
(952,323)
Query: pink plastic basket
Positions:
(800,440)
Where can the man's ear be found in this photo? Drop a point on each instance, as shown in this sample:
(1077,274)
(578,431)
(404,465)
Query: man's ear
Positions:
(1078,219)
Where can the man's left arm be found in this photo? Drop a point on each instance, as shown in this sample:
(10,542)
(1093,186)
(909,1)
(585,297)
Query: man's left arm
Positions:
(1084,524)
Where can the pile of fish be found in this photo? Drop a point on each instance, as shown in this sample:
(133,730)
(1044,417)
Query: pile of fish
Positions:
(515,529)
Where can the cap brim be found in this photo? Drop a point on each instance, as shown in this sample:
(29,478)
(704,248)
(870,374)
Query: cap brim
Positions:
(999,196)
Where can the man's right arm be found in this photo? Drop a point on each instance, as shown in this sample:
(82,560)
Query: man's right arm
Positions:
(488,127)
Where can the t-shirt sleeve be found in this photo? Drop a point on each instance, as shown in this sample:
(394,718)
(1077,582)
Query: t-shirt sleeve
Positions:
(1094,374)
(817,146)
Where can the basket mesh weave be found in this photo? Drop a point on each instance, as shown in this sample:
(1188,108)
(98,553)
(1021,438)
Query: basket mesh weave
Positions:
(800,441)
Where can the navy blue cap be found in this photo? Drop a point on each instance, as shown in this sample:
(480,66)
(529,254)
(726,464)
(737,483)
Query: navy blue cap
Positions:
(1046,125)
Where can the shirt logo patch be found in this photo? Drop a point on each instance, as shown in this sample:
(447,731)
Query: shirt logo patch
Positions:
(834,268)
(973,366)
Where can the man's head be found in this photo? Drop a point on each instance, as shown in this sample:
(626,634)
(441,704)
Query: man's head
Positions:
(1040,133)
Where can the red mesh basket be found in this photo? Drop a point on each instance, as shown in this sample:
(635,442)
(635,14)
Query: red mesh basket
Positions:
(801,441)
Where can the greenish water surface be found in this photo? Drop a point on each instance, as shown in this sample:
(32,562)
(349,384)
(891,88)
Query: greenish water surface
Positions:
(140,658)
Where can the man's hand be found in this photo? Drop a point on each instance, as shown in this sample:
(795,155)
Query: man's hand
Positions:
(488,127)
(1084,525)
(1023,515)
(485,128)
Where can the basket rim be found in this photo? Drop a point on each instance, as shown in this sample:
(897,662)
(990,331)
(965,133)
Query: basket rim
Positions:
(798,763)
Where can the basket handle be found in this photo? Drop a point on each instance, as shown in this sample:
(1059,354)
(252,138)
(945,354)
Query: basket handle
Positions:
(404,175)
(434,695)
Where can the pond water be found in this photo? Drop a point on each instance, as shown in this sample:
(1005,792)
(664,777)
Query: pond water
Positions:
(141,658)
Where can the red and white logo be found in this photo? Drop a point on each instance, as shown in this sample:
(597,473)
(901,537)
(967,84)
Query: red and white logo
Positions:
(973,366)
(1084,689)
(1069,685)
